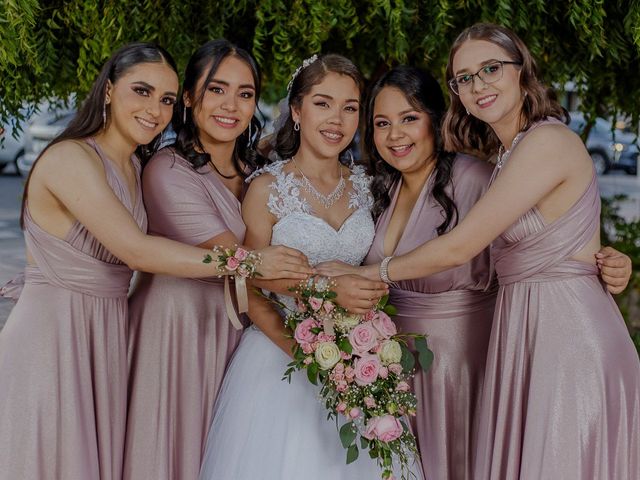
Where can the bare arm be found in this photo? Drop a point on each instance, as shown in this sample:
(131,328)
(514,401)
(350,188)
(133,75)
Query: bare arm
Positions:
(74,176)
(545,163)
(259,221)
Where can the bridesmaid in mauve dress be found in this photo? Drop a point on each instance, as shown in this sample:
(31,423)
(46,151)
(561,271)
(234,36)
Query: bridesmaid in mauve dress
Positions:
(180,337)
(561,396)
(63,349)
(454,307)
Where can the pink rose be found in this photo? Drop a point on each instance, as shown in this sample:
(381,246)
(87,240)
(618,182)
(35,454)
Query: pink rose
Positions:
(384,325)
(345,355)
(341,407)
(338,377)
(341,387)
(232,263)
(328,307)
(367,317)
(354,412)
(301,306)
(395,368)
(303,333)
(386,428)
(366,369)
(349,374)
(308,348)
(323,337)
(339,368)
(241,254)
(383,372)
(315,303)
(369,402)
(403,387)
(308,360)
(363,338)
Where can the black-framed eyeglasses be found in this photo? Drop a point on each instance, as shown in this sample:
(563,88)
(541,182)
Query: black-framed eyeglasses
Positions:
(489,73)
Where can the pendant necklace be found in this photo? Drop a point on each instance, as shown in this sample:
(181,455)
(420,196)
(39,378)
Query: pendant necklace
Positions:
(325,200)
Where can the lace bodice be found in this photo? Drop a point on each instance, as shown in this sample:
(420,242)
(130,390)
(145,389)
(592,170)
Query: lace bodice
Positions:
(297,226)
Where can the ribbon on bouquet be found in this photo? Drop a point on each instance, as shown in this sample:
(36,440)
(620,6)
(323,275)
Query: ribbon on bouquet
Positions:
(241,296)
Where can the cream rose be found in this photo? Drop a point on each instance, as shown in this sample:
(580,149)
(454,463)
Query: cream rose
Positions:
(327,355)
(390,352)
(345,322)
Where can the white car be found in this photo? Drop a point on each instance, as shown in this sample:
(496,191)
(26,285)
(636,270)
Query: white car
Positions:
(43,128)
(11,149)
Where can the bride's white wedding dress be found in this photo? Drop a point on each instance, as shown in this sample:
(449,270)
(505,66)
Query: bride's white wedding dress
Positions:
(265,428)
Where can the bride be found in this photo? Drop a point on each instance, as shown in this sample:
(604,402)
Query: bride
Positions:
(264,428)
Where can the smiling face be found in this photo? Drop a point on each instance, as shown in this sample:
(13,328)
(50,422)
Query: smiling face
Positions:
(141,101)
(328,116)
(228,103)
(403,135)
(496,103)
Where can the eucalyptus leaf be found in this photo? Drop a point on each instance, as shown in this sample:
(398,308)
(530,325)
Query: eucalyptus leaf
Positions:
(347,434)
(352,453)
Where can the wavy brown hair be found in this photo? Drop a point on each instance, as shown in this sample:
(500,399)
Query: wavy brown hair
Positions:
(287,138)
(423,93)
(465,133)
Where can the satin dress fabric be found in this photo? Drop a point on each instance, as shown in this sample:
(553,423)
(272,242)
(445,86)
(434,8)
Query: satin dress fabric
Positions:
(455,309)
(561,398)
(63,355)
(180,338)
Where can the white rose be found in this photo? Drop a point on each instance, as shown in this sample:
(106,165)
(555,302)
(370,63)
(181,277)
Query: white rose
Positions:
(327,355)
(345,322)
(390,352)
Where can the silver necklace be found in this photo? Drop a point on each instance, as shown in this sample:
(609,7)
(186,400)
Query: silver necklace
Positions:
(503,154)
(325,200)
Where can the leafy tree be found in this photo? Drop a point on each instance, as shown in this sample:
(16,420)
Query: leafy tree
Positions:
(54,47)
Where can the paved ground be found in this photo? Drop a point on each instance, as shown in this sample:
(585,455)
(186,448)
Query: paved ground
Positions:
(12,243)
(11,239)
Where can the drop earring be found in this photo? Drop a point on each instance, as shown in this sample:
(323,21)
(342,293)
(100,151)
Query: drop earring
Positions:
(249,136)
(184,115)
(467,111)
(296,126)
(104,115)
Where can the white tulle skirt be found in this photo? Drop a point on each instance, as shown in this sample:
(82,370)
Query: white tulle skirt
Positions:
(265,428)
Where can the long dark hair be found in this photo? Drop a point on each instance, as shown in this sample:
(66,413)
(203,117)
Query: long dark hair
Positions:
(463,132)
(204,63)
(287,138)
(88,121)
(423,93)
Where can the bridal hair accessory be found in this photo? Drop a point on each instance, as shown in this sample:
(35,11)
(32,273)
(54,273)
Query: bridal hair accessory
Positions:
(305,64)
(242,264)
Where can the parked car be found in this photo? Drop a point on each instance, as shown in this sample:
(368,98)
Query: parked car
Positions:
(44,127)
(609,151)
(11,148)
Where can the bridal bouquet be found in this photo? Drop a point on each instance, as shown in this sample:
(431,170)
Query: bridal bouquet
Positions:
(364,368)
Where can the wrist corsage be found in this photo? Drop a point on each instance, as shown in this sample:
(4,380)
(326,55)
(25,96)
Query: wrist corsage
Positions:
(242,264)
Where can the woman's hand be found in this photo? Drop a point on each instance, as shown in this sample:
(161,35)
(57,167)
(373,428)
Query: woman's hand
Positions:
(615,269)
(283,262)
(335,268)
(358,294)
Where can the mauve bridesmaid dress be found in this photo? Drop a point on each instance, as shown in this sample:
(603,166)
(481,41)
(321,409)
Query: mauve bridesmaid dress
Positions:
(561,399)
(455,308)
(63,355)
(180,337)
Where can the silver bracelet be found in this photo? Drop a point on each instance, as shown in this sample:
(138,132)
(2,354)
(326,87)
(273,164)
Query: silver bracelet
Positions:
(384,269)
